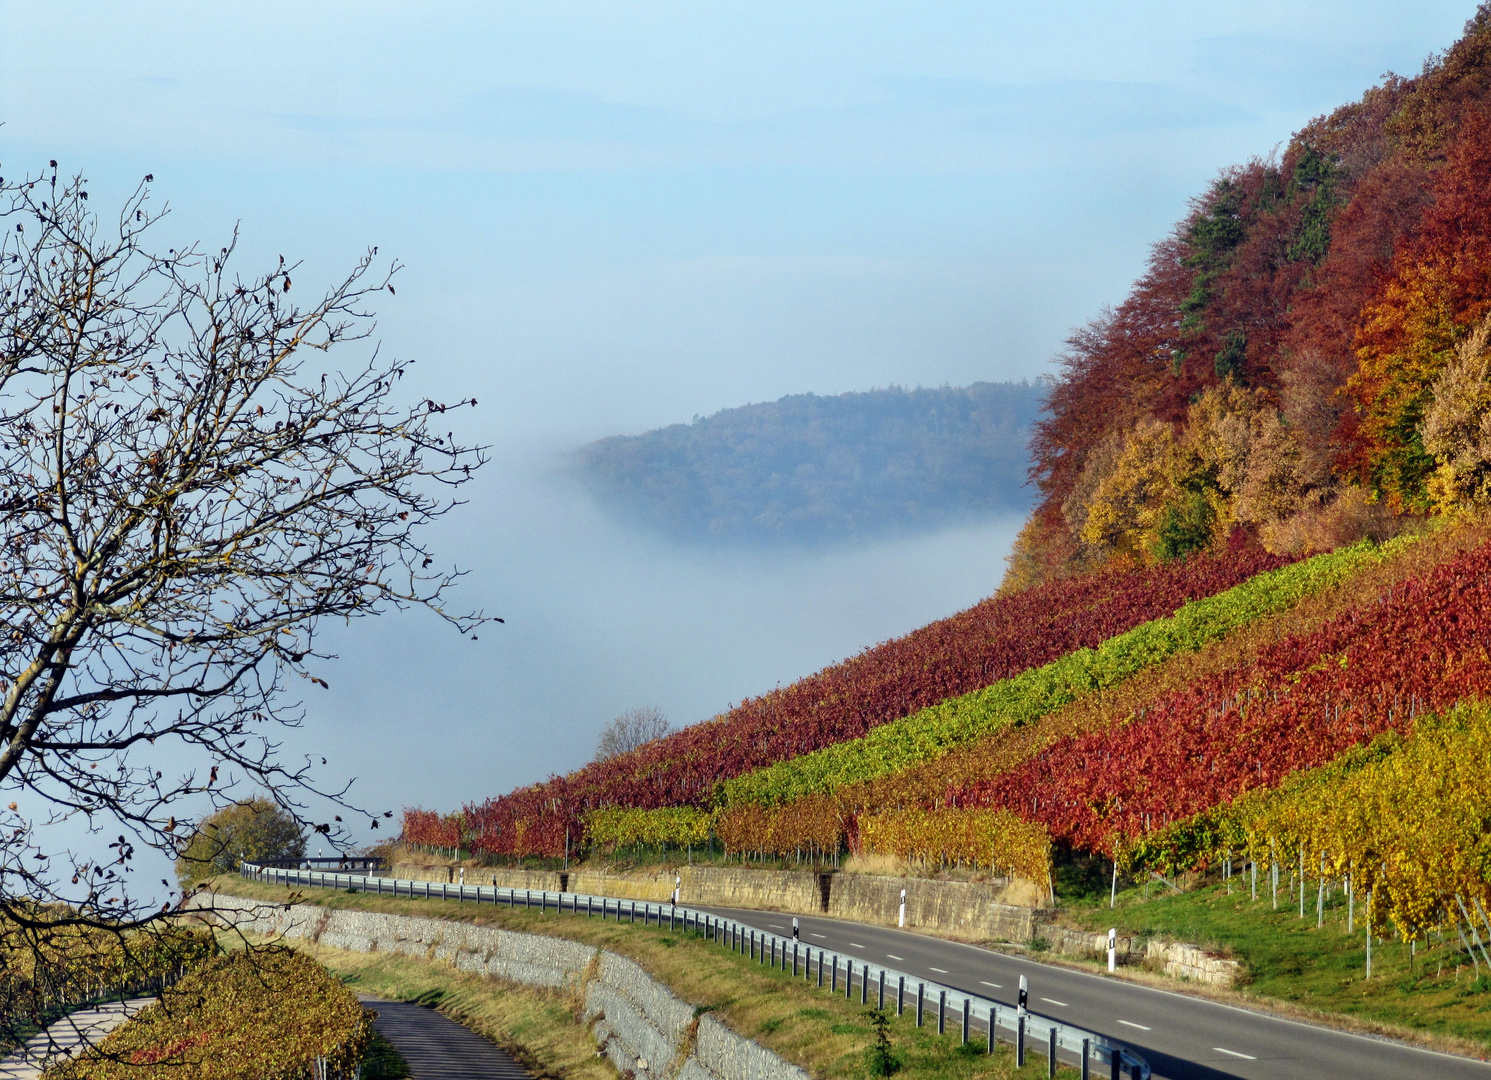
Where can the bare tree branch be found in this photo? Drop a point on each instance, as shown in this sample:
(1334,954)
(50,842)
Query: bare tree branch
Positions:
(193,478)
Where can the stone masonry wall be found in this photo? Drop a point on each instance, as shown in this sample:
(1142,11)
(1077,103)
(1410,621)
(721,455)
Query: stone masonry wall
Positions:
(646,1031)
(957,909)
(953,909)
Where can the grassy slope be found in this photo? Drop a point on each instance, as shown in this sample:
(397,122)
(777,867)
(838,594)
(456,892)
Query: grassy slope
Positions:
(1314,972)
(821,1032)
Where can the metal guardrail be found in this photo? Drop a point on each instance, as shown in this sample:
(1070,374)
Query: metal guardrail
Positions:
(333,862)
(1050,1035)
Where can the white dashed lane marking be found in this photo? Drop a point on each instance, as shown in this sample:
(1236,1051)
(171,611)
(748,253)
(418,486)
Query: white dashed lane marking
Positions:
(818,936)
(1130,1023)
(776,926)
(940,971)
(997,986)
(855,945)
(891,956)
(1053,1001)
(1234,1053)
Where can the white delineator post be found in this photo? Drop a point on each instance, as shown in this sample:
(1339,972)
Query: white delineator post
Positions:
(1024,998)
(677,888)
(901,916)
(1112,948)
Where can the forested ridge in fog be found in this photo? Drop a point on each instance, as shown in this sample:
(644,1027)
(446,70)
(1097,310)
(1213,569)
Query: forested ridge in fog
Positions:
(808,468)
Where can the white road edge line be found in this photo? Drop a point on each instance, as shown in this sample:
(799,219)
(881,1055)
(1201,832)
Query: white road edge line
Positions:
(1234,1053)
(1053,1001)
(1256,1014)
(1141,1027)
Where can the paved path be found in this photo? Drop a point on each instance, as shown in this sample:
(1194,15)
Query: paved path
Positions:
(67,1035)
(438,1048)
(1182,1037)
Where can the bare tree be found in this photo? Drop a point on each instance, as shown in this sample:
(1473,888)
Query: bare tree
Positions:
(630,730)
(191,483)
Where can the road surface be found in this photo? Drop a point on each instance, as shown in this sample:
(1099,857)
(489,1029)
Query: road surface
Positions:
(1182,1037)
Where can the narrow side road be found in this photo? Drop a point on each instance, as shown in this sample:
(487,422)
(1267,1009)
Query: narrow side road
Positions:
(67,1036)
(1182,1038)
(438,1048)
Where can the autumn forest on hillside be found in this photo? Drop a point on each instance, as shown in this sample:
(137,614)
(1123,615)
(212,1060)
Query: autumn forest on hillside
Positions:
(1257,570)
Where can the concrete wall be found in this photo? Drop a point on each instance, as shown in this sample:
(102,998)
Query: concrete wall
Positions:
(640,1025)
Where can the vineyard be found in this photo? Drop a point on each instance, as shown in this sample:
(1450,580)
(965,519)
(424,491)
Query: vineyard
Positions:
(974,649)
(45,972)
(1424,646)
(1402,818)
(1032,694)
(260,1013)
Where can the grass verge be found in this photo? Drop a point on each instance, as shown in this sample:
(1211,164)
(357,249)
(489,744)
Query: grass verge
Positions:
(829,1037)
(1432,999)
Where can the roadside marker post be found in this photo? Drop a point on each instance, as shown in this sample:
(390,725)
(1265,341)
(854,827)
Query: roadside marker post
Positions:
(901,916)
(1112,949)
(740,937)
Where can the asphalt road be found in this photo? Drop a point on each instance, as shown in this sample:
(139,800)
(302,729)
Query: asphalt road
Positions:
(437,1048)
(1182,1038)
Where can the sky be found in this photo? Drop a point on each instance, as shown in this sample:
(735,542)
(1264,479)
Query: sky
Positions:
(618,216)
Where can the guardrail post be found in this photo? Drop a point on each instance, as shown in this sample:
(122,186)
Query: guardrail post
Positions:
(881,1006)
(794,961)
(965,1021)
(942,1012)
(833,985)
(864,984)
(1086,1059)
(900,994)
(1117,1064)
(921,993)
(993,1028)
(1020,1042)
(1051,1051)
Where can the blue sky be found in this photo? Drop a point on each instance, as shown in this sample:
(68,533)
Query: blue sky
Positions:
(617,216)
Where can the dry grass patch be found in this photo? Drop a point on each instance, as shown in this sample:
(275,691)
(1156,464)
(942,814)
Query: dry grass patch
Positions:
(823,1033)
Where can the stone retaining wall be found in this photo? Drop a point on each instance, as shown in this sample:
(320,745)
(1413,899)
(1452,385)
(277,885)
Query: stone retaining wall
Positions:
(952,909)
(647,1032)
(955,909)
(1195,964)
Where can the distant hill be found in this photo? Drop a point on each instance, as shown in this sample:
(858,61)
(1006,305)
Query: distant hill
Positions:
(807,469)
